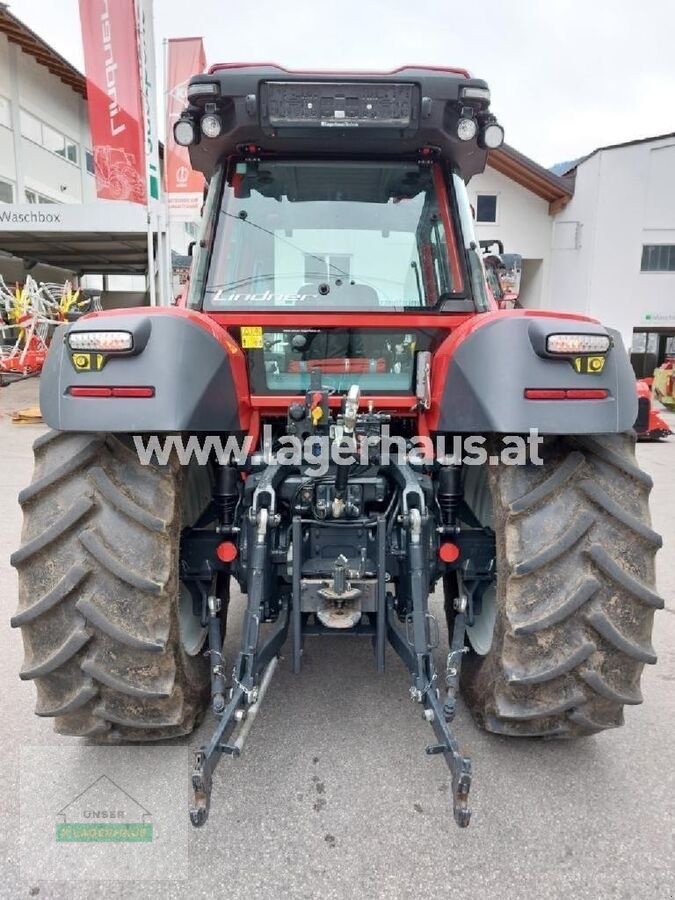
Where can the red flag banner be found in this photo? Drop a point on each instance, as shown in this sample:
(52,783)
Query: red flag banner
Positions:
(114,98)
(184,186)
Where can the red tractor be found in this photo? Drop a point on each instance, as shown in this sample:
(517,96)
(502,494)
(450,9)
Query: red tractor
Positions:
(330,422)
(650,424)
(502,274)
(663,382)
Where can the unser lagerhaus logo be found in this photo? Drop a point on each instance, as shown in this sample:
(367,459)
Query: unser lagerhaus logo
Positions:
(103,811)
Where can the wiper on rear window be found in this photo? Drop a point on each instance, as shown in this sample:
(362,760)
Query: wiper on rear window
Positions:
(240,282)
(242,216)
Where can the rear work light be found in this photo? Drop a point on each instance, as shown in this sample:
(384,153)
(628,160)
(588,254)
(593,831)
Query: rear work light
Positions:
(184,132)
(466,129)
(211,125)
(566,394)
(577,343)
(491,137)
(101,341)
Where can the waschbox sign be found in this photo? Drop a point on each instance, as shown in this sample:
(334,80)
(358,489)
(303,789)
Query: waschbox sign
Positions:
(74,217)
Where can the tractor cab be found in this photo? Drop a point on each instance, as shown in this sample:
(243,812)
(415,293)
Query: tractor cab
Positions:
(337,195)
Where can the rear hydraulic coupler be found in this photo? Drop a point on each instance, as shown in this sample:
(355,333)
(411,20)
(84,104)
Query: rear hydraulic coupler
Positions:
(226,493)
(449,492)
(346,441)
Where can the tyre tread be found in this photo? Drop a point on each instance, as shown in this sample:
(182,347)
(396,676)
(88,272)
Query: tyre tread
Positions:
(574,617)
(100,627)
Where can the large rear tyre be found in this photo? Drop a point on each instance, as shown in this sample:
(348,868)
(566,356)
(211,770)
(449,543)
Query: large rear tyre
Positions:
(109,636)
(562,638)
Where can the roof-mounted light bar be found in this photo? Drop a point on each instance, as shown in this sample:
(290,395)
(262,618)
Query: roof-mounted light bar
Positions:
(203,89)
(473,92)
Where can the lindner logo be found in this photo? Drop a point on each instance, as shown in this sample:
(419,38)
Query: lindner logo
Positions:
(110,73)
(182,175)
(103,812)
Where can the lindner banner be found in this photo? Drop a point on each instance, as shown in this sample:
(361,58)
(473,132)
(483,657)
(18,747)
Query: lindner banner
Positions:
(148,70)
(184,186)
(115,99)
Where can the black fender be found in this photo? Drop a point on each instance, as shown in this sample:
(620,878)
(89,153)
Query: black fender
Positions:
(481,372)
(196,371)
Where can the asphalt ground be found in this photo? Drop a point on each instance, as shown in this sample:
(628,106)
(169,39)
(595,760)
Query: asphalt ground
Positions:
(334,796)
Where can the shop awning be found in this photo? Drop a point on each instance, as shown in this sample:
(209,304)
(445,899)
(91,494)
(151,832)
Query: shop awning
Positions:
(101,238)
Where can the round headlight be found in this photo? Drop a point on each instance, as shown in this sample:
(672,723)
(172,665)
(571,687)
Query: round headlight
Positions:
(211,125)
(493,136)
(466,129)
(184,132)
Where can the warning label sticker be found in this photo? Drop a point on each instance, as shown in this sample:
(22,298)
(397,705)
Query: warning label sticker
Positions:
(251,337)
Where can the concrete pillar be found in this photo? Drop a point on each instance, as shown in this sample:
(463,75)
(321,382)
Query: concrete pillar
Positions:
(15,102)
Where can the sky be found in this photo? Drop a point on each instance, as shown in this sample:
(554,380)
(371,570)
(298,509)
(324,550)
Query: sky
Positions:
(566,76)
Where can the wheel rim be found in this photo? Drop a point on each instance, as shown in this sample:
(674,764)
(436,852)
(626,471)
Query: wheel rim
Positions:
(192,634)
(478,497)
(481,632)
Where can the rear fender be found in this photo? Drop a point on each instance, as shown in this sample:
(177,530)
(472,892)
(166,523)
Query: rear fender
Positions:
(197,371)
(480,374)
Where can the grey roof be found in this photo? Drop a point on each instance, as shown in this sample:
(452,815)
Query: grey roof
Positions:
(645,140)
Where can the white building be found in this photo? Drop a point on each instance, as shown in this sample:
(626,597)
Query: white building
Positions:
(45,145)
(613,250)
(46,158)
(515,202)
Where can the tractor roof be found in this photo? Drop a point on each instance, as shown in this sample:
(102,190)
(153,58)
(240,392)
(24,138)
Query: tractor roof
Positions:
(264,108)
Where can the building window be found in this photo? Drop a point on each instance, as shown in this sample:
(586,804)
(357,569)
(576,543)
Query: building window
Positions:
(35,197)
(6,192)
(71,153)
(31,127)
(5,113)
(89,162)
(658,258)
(486,208)
(644,342)
(48,137)
(53,141)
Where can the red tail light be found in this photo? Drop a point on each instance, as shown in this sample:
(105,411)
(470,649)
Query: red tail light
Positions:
(140,392)
(588,394)
(541,394)
(90,392)
(133,392)
(566,394)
